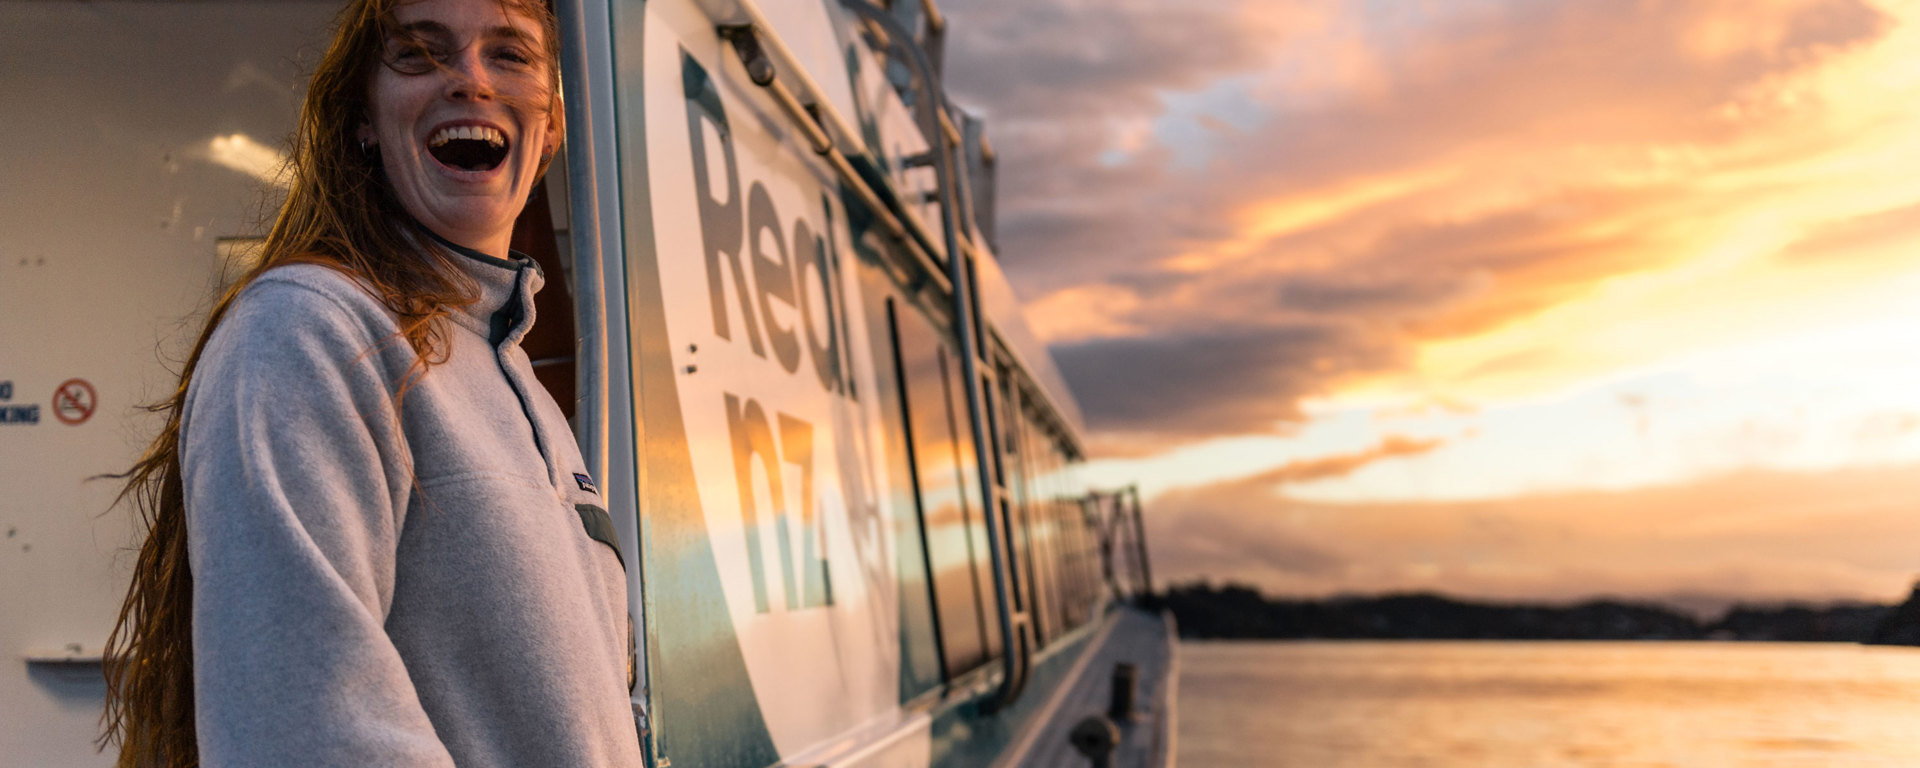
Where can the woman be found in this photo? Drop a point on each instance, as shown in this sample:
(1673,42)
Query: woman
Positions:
(373,540)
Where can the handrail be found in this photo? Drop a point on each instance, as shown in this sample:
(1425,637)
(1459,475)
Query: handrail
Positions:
(1140,541)
(1014,656)
(935,21)
(760,69)
(1110,511)
(589,301)
(820,120)
(791,64)
(594,231)
(1093,511)
(947,126)
(822,109)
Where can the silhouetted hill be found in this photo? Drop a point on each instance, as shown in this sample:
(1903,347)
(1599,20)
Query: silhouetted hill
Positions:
(1901,624)
(1239,612)
(1843,622)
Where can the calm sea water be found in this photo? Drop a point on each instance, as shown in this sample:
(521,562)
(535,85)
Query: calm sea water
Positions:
(1536,705)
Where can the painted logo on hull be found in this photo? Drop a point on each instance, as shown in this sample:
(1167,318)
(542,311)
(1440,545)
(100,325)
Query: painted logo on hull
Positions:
(773,377)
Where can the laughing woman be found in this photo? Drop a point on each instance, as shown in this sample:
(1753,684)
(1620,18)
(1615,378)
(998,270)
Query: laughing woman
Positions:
(371,537)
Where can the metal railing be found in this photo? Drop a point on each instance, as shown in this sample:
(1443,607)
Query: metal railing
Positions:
(1117,521)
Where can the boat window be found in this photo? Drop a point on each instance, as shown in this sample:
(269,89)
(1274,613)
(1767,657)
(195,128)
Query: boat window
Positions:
(948,511)
(920,668)
(1037,526)
(1074,557)
(1059,513)
(1086,553)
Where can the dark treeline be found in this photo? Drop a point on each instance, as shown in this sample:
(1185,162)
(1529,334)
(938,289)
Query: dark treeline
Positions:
(1237,612)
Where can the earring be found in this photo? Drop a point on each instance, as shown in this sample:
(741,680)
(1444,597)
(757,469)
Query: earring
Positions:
(367,150)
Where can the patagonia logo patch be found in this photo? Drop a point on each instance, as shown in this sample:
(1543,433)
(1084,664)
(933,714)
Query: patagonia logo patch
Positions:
(586,483)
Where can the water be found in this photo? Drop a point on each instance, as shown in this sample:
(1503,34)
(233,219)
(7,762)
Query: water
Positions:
(1539,705)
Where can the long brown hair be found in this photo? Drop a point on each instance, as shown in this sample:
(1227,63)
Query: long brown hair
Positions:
(341,213)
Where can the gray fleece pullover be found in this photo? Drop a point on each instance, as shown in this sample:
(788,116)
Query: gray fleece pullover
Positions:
(428,585)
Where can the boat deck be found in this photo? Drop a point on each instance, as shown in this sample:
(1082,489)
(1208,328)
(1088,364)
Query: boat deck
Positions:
(1134,636)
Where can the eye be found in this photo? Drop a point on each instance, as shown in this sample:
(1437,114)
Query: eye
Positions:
(515,55)
(413,56)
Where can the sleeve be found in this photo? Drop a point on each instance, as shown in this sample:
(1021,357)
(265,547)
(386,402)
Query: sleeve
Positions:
(296,477)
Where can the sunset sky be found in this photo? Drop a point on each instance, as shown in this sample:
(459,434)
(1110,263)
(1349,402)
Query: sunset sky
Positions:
(1501,298)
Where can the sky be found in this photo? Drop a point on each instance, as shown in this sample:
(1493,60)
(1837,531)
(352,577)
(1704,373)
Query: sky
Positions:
(1512,299)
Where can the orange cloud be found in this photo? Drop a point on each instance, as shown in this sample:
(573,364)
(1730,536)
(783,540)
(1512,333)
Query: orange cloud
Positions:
(1341,465)
(1084,312)
(1484,201)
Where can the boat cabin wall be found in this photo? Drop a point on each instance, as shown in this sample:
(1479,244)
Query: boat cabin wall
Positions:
(137,157)
(141,159)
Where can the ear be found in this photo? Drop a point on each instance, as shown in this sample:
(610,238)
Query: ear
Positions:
(365,134)
(556,129)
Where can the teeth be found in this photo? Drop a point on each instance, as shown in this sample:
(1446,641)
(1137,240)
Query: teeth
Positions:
(474,132)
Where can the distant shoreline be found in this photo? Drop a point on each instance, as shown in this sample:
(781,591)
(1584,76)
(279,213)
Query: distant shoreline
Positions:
(1236,612)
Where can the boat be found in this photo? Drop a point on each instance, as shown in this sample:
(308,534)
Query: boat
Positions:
(838,462)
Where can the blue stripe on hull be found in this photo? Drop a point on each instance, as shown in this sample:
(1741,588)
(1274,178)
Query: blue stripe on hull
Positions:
(963,737)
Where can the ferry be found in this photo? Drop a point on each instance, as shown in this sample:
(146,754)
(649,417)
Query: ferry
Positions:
(839,464)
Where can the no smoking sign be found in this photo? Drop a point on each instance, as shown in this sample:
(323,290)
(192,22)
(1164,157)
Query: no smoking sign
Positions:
(74,402)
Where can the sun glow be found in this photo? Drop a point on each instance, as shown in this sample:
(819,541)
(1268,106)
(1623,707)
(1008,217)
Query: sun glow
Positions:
(1618,268)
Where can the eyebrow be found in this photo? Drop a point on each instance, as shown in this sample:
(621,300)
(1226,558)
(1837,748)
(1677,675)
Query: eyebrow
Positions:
(427,28)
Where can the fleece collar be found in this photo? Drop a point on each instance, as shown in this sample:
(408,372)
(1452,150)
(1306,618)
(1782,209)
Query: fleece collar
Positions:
(504,309)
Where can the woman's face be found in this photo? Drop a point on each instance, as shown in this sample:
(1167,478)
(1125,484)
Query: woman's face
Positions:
(461,114)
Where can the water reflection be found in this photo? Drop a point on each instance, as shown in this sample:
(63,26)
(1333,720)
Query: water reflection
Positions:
(1448,705)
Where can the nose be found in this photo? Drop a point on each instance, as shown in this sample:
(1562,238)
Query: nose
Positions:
(468,79)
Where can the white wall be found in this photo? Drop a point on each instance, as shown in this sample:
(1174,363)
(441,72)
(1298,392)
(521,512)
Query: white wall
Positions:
(111,203)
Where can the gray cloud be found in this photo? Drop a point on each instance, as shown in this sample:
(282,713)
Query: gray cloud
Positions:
(1338,293)
(1042,61)
(1057,80)
(1201,383)
(1236,527)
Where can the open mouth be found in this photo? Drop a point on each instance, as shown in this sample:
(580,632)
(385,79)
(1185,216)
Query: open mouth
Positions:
(468,147)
